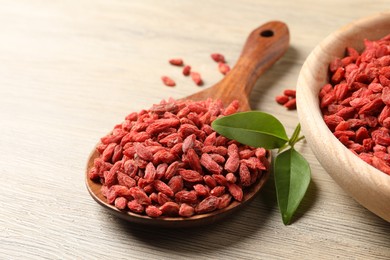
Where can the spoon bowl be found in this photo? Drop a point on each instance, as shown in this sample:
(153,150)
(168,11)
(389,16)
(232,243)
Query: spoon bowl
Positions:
(173,222)
(264,46)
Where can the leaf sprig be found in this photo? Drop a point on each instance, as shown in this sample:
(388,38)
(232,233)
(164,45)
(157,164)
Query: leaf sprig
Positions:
(291,170)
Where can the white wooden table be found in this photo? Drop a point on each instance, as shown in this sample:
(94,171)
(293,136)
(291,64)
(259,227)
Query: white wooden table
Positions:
(71,70)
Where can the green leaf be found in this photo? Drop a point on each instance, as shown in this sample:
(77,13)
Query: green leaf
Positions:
(294,137)
(292,178)
(254,128)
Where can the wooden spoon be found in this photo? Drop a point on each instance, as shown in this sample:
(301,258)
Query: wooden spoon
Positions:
(264,46)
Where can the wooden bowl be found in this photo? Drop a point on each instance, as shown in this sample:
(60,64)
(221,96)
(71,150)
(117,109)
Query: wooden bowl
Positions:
(366,184)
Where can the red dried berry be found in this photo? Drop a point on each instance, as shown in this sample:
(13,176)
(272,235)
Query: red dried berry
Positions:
(217,57)
(282,99)
(223,68)
(186,70)
(120,202)
(153,211)
(235,191)
(196,78)
(186,210)
(289,93)
(190,175)
(168,81)
(291,104)
(176,62)
(207,205)
(163,188)
(170,209)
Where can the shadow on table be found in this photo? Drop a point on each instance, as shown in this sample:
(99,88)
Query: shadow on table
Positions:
(307,202)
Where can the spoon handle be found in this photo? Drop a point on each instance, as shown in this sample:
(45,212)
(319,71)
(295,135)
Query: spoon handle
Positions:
(263,47)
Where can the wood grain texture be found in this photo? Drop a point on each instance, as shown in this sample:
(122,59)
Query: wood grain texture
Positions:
(71,70)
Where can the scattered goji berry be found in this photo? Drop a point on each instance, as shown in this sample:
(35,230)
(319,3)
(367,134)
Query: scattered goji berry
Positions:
(217,57)
(196,78)
(282,99)
(168,81)
(291,104)
(176,62)
(287,99)
(289,92)
(186,70)
(223,68)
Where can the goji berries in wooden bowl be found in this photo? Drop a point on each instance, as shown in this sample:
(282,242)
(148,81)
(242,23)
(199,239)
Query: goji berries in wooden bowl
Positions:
(167,167)
(343,102)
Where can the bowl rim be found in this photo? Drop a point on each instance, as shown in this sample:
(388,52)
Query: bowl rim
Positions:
(315,69)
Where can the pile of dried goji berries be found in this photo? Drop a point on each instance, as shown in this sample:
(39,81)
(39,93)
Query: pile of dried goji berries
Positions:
(168,161)
(356,102)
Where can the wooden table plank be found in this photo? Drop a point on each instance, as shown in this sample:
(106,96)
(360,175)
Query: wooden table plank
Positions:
(71,70)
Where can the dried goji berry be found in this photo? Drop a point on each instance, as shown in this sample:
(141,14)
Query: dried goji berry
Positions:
(120,202)
(217,57)
(218,191)
(125,180)
(245,175)
(207,205)
(186,210)
(201,190)
(193,160)
(231,109)
(208,163)
(210,181)
(190,175)
(223,68)
(168,81)
(186,70)
(170,208)
(184,196)
(176,183)
(140,196)
(163,188)
(224,201)
(135,207)
(153,211)
(233,161)
(196,78)
(289,92)
(162,198)
(235,191)
(230,177)
(176,62)
(282,99)
(291,104)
